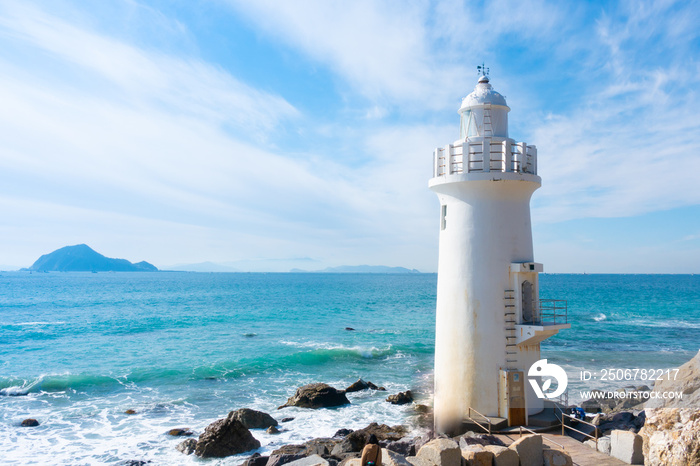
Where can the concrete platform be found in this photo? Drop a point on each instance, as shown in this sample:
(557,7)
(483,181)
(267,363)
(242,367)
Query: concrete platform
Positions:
(582,455)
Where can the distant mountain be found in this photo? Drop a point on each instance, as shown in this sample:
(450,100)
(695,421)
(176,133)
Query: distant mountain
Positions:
(82,258)
(360,269)
(202,267)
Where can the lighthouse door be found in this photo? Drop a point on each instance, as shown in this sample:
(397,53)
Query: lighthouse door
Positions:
(516,399)
(528,301)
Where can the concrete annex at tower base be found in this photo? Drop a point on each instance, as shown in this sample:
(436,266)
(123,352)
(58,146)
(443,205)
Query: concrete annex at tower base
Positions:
(489,318)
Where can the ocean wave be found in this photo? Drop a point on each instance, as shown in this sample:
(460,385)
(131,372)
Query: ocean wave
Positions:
(600,317)
(34,324)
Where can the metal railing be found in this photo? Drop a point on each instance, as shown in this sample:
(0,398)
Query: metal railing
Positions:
(485,155)
(521,428)
(552,311)
(488,420)
(564,426)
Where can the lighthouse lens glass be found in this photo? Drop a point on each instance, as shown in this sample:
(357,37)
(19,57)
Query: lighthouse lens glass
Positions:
(464,124)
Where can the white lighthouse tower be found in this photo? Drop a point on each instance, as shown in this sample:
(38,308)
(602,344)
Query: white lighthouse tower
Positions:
(489,319)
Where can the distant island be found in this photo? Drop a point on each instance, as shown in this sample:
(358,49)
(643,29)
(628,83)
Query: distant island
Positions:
(82,258)
(359,269)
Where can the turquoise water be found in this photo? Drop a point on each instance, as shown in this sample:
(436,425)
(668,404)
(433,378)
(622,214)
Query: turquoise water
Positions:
(183,349)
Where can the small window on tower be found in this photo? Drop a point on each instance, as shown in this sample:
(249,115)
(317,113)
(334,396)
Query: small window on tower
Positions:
(443,217)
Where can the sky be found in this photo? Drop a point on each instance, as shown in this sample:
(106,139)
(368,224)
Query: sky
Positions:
(268,135)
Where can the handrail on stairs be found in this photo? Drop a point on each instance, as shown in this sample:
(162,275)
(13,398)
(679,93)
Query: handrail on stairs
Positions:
(564,426)
(469,416)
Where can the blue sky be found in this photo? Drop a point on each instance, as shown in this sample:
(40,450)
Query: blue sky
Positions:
(300,133)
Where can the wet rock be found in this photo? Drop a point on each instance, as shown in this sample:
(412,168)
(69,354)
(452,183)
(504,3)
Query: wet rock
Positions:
(350,329)
(184,432)
(130,411)
(136,462)
(287,419)
(401,398)
(317,395)
(256,460)
(225,437)
(362,385)
(272,430)
(29,423)
(356,441)
(253,419)
(342,433)
(187,447)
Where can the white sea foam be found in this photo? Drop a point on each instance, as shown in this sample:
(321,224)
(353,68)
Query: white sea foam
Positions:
(600,317)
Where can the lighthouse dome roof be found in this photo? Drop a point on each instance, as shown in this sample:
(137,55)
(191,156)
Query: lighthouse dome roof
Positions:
(483,94)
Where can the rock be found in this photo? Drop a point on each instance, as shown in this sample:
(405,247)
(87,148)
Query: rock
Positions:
(136,462)
(441,452)
(476,455)
(671,429)
(423,409)
(29,423)
(362,385)
(252,419)
(401,398)
(272,430)
(184,432)
(287,419)
(355,441)
(350,462)
(391,458)
(404,447)
(472,438)
(342,433)
(529,450)
(350,329)
(313,460)
(626,446)
(318,446)
(603,444)
(129,411)
(316,395)
(503,456)
(278,460)
(256,460)
(553,457)
(225,437)
(419,461)
(187,447)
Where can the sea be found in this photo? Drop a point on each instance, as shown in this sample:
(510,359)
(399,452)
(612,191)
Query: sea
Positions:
(183,349)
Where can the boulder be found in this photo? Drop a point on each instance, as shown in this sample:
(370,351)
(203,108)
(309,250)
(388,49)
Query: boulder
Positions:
(256,460)
(671,429)
(225,437)
(318,446)
(404,447)
(529,450)
(317,395)
(441,452)
(313,460)
(362,385)
(278,460)
(252,419)
(182,432)
(350,462)
(603,444)
(419,461)
(340,433)
(503,456)
(29,423)
(401,398)
(391,458)
(472,438)
(553,457)
(626,446)
(355,441)
(130,411)
(476,455)
(272,430)
(187,447)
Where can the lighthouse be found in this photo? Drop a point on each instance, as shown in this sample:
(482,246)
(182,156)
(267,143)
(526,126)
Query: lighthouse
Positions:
(489,318)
